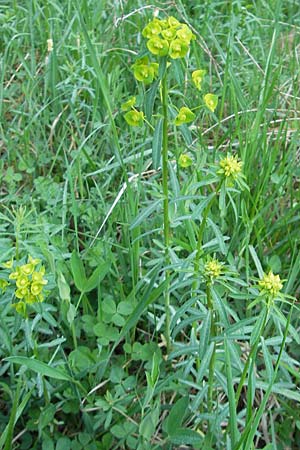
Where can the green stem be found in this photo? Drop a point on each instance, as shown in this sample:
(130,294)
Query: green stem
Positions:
(200,238)
(166,204)
(73,329)
(251,357)
(213,357)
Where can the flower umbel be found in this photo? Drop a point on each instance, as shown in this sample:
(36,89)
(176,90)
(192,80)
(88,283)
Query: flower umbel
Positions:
(213,269)
(29,283)
(230,166)
(270,284)
(168,37)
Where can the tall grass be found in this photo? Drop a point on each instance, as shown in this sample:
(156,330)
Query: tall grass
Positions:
(80,190)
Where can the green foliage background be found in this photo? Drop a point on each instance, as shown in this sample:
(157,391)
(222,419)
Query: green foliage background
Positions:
(88,368)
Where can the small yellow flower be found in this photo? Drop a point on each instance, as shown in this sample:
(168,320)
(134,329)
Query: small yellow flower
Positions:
(185,34)
(230,166)
(173,22)
(16,274)
(27,269)
(211,101)
(3,285)
(8,264)
(185,160)
(271,284)
(22,292)
(22,281)
(178,49)
(144,72)
(128,105)
(34,261)
(134,118)
(152,29)
(37,277)
(30,298)
(36,288)
(213,269)
(197,77)
(158,46)
(169,33)
(185,115)
(20,307)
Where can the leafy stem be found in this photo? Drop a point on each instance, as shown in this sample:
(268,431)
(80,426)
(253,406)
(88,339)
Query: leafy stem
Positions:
(166,204)
(200,237)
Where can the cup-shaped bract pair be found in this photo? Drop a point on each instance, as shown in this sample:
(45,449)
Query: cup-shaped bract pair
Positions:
(185,115)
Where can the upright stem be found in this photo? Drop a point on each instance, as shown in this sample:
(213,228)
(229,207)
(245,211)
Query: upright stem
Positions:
(213,356)
(200,239)
(166,204)
(251,356)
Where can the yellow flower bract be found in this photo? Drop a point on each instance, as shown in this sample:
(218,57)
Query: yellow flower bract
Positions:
(271,283)
(230,166)
(29,283)
(168,37)
(213,269)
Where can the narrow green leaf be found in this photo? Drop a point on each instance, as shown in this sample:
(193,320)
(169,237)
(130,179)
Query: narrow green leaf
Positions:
(186,134)
(205,335)
(157,144)
(78,272)
(150,99)
(257,329)
(256,261)
(267,359)
(146,213)
(12,418)
(231,397)
(178,71)
(205,363)
(184,436)
(162,67)
(219,236)
(63,287)
(21,407)
(97,276)
(40,367)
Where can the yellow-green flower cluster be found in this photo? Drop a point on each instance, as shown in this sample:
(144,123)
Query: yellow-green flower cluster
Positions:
(29,282)
(213,269)
(3,285)
(185,160)
(185,115)
(211,101)
(197,77)
(168,37)
(133,117)
(270,284)
(145,70)
(230,167)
